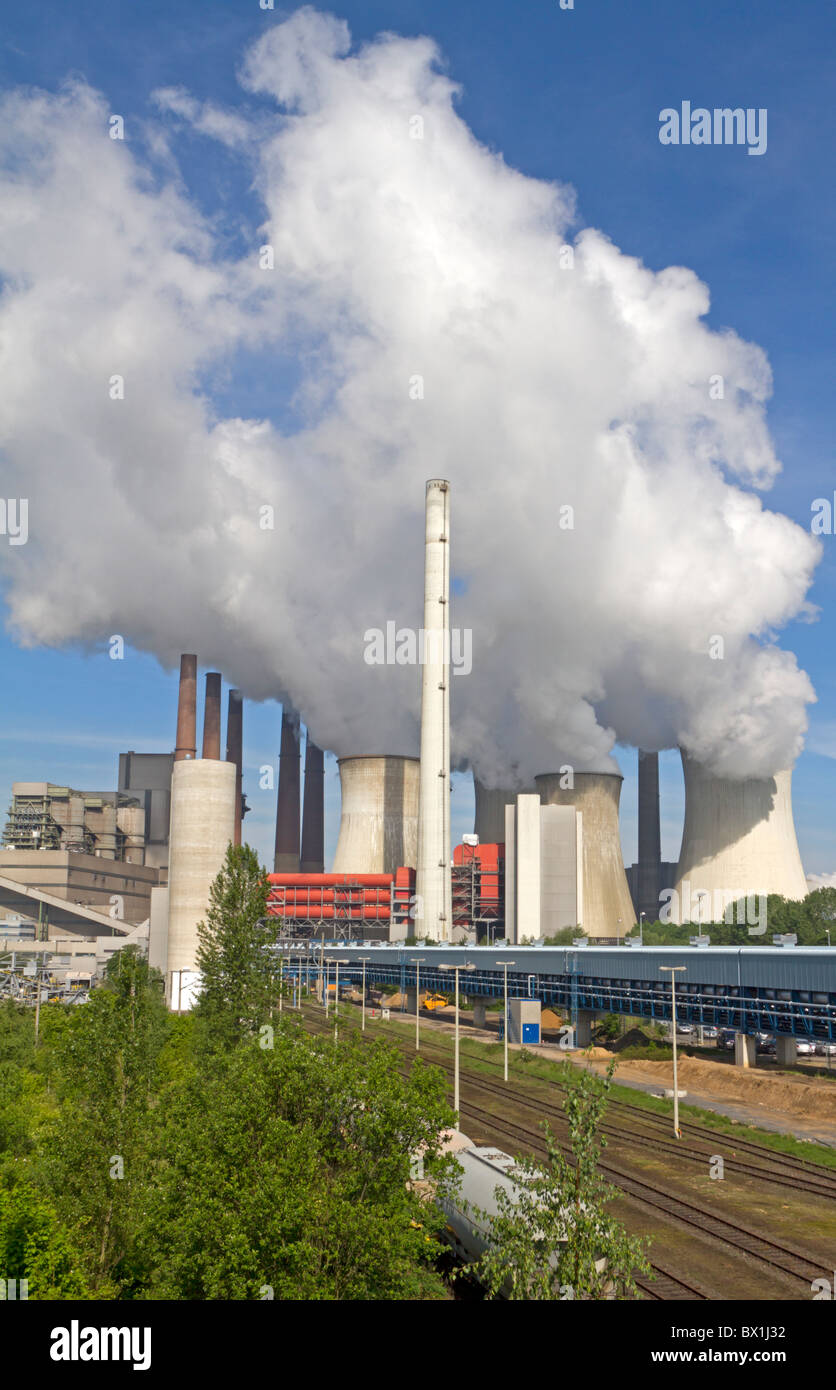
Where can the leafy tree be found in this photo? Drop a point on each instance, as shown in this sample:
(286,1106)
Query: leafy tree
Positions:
(235,963)
(96,1153)
(549,1241)
(34,1246)
(287,1175)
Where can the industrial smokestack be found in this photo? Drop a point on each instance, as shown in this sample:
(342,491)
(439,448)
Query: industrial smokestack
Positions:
(738,840)
(433,883)
(186,745)
(286,857)
(650,842)
(607,906)
(235,754)
(212,716)
(489,822)
(379,820)
(313,810)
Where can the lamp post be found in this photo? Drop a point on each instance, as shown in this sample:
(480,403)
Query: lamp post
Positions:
(673,969)
(338,963)
(363,1004)
(641,928)
(281,970)
(456,969)
(417,962)
(505,965)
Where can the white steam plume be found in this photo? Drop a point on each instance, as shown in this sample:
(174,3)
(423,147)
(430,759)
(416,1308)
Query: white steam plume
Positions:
(544,387)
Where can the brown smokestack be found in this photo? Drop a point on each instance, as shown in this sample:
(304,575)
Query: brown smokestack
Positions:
(235,753)
(286,858)
(212,717)
(187,710)
(313,815)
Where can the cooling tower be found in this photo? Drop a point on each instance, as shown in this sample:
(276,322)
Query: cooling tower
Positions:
(202,826)
(286,856)
(649,870)
(489,823)
(235,754)
(313,812)
(738,840)
(433,884)
(607,905)
(379,820)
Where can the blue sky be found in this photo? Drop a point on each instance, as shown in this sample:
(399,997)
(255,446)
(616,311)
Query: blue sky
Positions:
(568,95)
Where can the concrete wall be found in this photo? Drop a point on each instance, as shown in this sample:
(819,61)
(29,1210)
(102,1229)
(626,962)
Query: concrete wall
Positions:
(559,862)
(379,819)
(607,905)
(738,839)
(202,827)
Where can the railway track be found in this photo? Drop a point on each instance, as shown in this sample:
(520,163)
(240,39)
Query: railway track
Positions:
(775,1255)
(766,1165)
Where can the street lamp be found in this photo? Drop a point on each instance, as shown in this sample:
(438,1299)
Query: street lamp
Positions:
(338,963)
(505,965)
(456,968)
(673,969)
(281,967)
(417,961)
(363,1005)
(641,928)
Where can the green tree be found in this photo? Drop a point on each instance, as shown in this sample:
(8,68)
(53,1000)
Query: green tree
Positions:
(287,1175)
(234,958)
(34,1246)
(96,1158)
(556,1239)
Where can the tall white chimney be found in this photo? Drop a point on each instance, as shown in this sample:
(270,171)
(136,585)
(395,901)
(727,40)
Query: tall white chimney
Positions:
(433,884)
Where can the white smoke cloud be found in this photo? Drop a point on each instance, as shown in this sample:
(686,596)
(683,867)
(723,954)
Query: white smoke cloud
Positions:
(402,249)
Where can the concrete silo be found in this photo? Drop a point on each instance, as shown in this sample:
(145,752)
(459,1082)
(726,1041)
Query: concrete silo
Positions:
(379,817)
(607,905)
(202,826)
(738,840)
(433,883)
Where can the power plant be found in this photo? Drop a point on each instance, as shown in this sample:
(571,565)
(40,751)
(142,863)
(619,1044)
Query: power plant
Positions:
(541,860)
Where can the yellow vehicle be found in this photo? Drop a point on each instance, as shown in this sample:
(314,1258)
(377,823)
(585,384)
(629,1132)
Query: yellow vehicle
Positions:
(435,1001)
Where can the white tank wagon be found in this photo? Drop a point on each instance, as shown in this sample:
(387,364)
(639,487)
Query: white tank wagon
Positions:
(483,1170)
(738,841)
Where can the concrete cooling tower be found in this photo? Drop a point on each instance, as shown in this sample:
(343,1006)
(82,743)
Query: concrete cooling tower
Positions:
(738,840)
(379,819)
(607,905)
(489,823)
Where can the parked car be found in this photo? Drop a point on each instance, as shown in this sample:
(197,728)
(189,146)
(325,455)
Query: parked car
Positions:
(684,1027)
(766,1047)
(710,1031)
(826,1049)
(804,1048)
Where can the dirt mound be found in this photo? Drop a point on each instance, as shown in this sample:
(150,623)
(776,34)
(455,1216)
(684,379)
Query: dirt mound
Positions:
(549,1021)
(790,1094)
(635,1038)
